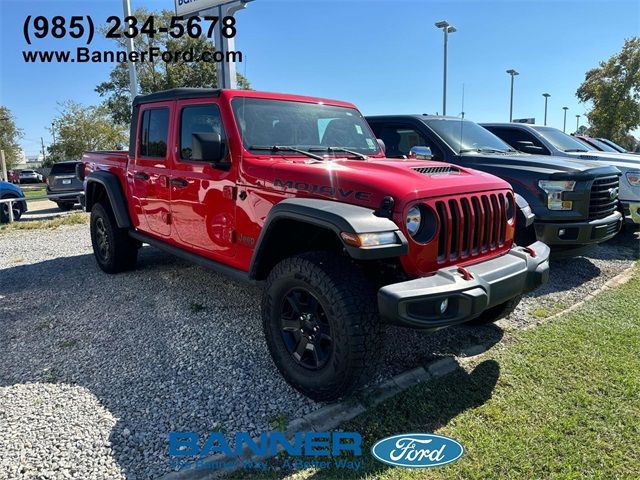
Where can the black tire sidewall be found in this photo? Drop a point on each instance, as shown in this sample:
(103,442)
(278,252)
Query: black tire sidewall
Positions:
(297,373)
(99,212)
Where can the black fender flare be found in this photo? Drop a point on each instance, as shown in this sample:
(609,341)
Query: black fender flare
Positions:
(524,215)
(336,217)
(109,181)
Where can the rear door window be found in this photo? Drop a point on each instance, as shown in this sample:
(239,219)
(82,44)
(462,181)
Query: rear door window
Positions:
(154,132)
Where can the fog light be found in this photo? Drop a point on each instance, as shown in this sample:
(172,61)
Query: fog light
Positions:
(444,305)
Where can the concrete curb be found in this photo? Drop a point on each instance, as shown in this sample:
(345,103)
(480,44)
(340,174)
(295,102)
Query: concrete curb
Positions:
(331,416)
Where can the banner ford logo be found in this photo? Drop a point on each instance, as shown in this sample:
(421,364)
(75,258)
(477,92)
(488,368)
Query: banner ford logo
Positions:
(417,450)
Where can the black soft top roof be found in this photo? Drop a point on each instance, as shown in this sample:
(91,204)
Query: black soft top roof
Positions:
(176,94)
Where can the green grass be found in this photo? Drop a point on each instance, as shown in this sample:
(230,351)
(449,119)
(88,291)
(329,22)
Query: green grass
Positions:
(35,193)
(558,401)
(76,218)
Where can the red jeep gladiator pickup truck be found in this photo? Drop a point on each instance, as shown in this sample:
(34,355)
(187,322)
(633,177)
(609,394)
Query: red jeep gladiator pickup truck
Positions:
(297,192)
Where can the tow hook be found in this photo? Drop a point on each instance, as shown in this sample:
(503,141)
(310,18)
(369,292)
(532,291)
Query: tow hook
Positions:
(530,251)
(466,274)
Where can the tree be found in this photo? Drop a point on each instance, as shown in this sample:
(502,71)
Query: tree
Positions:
(9,136)
(159,75)
(79,128)
(614,90)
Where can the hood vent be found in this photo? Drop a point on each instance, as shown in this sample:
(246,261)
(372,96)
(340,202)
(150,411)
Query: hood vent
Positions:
(437,170)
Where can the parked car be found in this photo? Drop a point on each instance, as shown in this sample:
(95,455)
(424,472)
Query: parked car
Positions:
(30,176)
(614,145)
(595,144)
(565,196)
(551,141)
(63,179)
(295,191)
(10,190)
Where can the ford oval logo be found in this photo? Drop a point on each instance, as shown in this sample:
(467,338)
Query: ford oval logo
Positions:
(417,450)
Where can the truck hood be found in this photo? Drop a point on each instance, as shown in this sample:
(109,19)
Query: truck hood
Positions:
(367,182)
(623,161)
(543,164)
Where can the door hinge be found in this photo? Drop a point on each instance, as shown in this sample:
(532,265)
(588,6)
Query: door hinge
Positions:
(229,192)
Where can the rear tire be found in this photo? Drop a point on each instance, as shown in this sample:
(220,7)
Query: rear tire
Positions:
(114,250)
(498,312)
(335,325)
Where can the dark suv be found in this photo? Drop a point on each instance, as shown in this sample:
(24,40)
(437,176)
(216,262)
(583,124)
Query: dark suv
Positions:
(63,179)
(574,201)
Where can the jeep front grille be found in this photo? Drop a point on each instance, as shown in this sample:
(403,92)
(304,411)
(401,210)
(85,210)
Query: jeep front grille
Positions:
(436,170)
(601,204)
(471,225)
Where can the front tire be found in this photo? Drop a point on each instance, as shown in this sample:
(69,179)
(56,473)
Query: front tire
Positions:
(113,249)
(4,210)
(321,324)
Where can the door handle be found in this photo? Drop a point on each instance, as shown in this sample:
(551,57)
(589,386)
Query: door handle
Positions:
(141,176)
(179,182)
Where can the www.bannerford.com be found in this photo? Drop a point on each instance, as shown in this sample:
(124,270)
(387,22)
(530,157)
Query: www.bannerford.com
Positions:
(153,54)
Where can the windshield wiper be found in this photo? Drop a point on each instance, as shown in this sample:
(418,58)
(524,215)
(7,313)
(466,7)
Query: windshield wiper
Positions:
(359,155)
(575,150)
(483,150)
(286,148)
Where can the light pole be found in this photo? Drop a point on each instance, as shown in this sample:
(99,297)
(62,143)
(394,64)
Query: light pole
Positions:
(513,73)
(564,125)
(546,98)
(577,123)
(447,29)
(53,132)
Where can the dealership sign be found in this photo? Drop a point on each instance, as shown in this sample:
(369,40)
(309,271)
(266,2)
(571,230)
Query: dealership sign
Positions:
(417,450)
(185,7)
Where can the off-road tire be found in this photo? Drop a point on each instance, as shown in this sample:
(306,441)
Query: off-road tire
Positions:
(350,305)
(498,312)
(120,251)
(65,206)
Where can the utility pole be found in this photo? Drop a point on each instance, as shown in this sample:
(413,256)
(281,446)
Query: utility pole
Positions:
(564,125)
(513,73)
(447,29)
(5,176)
(546,98)
(133,76)
(53,133)
(44,156)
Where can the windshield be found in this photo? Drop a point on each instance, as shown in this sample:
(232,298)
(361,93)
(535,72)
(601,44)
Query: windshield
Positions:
(304,126)
(561,140)
(465,136)
(603,146)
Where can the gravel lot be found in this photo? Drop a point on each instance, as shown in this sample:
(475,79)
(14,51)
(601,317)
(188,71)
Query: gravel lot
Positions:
(96,369)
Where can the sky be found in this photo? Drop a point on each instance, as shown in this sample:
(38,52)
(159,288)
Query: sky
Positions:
(386,56)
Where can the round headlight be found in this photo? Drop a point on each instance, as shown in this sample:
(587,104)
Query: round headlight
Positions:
(414,219)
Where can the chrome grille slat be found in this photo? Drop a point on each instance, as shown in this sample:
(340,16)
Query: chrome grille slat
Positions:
(601,205)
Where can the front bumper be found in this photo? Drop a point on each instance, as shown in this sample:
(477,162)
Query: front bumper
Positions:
(632,210)
(416,303)
(579,233)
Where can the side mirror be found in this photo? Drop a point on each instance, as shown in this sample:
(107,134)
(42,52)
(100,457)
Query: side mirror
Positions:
(420,153)
(528,147)
(208,147)
(382,145)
